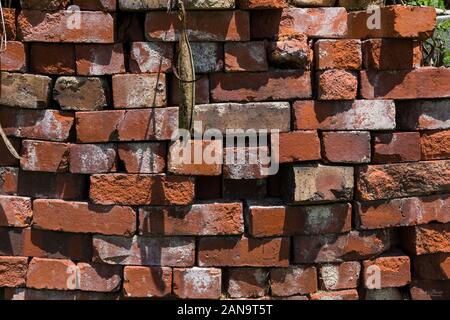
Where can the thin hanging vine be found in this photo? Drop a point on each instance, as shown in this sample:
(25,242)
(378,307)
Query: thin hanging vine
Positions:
(185,69)
(3,46)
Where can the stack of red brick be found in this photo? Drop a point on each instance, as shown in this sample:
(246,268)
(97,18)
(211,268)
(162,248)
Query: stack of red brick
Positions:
(96,209)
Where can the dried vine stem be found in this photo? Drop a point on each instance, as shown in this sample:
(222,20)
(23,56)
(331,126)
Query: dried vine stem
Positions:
(3,39)
(3,46)
(185,70)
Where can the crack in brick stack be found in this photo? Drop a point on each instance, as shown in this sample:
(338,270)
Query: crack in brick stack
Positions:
(364,181)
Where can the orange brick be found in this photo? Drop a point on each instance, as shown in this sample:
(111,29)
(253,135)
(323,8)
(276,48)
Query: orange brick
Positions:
(435,145)
(242,251)
(338,54)
(392,270)
(13,59)
(299,146)
(347,146)
(146,282)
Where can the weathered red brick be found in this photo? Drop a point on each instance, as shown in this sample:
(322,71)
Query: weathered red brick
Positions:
(392,270)
(127,125)
(427,239)
(147,282)
(142,189)
(36,124)
(197,157)
(13,59)
(221,26)
(13,95)
(97,60)
(347,147)
(92,158)
(270,221)
(139,91)
(421,83)
(423,114)
(318,183)
(208,56)
(396,22)
(151,57)
(403,212)
(250,116)
(81,93)
(344,115)
(392,54)
(271,23)
(246,163)
(99,277)
(242,251)
(60,26)
(248,282)
(396,147)
(245,56)
(56,245)
(339,247)
(143,157)
(340,276)
(402,180)
(51,274)
(337,84)
(350,294)
(432,267)
(435,145)
(198,219)
(165,251)
(81,217)
(50,185)
(250,86)
(15,211)
(197,283)
(293,280)
(298,146)
(13,271)
(44,156)
(9,180)
(66,275)
(291,51)
(338,54)
(106,125)
(52,58)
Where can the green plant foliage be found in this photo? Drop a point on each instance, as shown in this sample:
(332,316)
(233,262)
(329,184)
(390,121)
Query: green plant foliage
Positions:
(440,4)
(436,49)
(431,3)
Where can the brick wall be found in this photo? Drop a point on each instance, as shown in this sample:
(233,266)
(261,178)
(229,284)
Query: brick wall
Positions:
(97,208)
